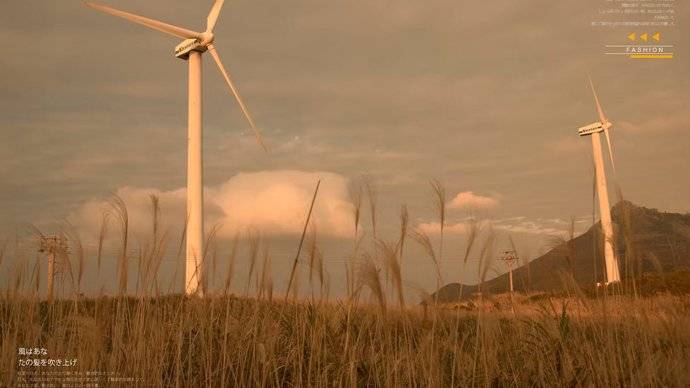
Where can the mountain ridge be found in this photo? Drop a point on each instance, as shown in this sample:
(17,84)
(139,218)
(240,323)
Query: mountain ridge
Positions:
(647,241)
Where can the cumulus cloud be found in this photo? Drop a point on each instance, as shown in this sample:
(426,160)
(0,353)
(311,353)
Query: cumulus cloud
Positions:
(273,202)
(88,216)
(276,202)
(468,199)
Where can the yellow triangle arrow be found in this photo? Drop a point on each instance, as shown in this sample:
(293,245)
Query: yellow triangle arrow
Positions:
(644,37)
(656,36)
(631,36)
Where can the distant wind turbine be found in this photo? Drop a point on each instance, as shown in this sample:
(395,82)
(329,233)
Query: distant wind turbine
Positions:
(191,48)
(603,125)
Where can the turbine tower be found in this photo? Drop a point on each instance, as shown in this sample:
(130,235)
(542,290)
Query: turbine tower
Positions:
(593,130)
(191,49)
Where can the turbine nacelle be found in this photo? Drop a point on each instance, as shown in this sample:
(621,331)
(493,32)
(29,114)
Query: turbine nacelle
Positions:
(200,44)
(590,129)
(183,49)
(594,128)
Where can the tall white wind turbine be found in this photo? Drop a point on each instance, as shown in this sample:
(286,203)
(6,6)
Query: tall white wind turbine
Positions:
(603,125)
(190,49)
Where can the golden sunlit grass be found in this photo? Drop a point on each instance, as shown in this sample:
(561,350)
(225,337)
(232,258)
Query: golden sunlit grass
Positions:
(216,341)
(373,337)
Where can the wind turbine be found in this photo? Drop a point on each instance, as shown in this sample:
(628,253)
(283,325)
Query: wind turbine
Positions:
(593,130)
(190,49)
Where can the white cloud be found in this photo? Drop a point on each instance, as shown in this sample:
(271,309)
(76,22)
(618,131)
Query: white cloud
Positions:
(468,199)
(521,225)
(433,228)
(541,226)
(530,228)
(273,202)
(277,202)
(88,216)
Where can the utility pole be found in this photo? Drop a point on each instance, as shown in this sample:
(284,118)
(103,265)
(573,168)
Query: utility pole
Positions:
(54,247)
(510,258)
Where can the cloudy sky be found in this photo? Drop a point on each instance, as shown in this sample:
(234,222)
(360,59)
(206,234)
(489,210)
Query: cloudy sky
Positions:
(486,97)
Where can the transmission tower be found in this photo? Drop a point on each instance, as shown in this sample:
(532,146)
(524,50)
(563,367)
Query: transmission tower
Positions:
(510,258)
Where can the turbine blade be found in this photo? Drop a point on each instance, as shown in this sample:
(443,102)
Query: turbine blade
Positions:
(147,22)
(257,133)
(213,15)
(608,142)
(600,111)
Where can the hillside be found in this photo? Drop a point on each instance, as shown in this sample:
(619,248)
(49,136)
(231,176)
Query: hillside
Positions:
(648,241)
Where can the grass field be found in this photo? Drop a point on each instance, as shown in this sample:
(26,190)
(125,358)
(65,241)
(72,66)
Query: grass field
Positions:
(229,341)
(372,336)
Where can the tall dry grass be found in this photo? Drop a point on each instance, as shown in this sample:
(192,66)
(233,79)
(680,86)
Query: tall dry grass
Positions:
(119,212)
(372,198)
(439,195)
(260,339)
(228,341)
